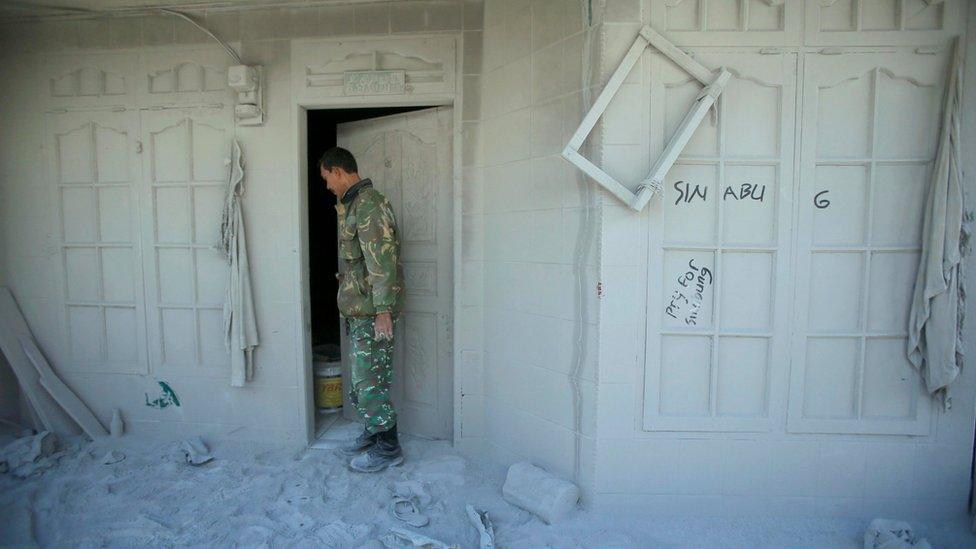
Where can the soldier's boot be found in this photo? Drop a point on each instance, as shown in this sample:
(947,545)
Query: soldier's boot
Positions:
(358,445)
(385,453)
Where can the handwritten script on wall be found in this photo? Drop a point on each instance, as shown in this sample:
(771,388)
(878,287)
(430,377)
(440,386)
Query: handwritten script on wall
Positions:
(689,297)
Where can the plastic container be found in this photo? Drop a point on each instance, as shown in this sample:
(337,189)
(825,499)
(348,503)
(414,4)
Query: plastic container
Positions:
(328,386)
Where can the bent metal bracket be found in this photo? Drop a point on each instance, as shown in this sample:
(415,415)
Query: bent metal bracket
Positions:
(714,83)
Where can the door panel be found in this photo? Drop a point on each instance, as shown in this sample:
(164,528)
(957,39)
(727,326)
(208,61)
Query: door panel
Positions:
(408,157)
(94,168)
(186,178)
(719,251)
(869,126)
(882,22)
(729,22)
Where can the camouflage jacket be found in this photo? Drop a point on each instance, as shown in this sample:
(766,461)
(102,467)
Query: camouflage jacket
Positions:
(370,268)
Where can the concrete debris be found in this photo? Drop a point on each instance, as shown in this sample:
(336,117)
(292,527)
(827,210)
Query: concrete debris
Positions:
(113,456)
(482,523)
(409,498)
(398,538)
(28,455)
(892,534)
(539,492)
(195,451)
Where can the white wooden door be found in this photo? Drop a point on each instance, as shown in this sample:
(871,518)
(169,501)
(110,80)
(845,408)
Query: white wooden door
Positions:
(869,137)
(719,250)
(183,195)
(408,157)
(94,168)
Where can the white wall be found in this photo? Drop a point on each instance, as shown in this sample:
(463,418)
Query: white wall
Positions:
(714,472)
(269,406)
(528,206)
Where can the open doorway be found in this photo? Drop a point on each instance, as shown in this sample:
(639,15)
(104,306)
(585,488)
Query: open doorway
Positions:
(407,152)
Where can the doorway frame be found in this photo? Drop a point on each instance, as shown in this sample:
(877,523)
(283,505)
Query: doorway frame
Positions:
(299,110)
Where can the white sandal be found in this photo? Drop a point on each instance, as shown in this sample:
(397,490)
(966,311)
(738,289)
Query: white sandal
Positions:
(406,511)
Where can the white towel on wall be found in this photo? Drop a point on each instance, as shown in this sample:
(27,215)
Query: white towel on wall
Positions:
(240,326)
(935,321)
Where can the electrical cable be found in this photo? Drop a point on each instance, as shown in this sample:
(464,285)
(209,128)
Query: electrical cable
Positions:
(230,51)
(582,248)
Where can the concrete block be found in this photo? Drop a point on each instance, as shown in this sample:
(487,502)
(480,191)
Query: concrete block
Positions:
(337,20)
(519,38)
(472,373)
(621,295)
(545,236)
(622,11)
(547,129)
(187,33)
(125,32)
(507,138)
(225,24)
(302,22)
(889,465)
(57,35)
(472,416)
(547,68)
(472,98)
(548,22)
(158,30)
(494,38)
(508,88)
(572,73)
(443,16)
(472,236)
(473,52)
(409,17)
(841,470)
(618,352)
(474,14)
(621,236)
(471,283)
(574,19)
(539,492)
(262,24)
(472,191)
(471,143)
(372,19)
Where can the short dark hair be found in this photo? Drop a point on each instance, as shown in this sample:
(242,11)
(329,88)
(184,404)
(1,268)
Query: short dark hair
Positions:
(337,157)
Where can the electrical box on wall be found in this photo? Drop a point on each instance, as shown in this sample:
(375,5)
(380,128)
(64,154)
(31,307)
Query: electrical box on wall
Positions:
(248,82)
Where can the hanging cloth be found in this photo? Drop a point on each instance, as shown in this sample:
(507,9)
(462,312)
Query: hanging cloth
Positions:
(240,327)
(935,321)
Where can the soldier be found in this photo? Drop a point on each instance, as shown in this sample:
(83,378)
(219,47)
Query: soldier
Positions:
(370,287)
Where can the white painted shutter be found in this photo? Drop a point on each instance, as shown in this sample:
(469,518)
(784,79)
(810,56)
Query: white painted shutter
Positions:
(882,22)
(745,22)
(185,182)
(95,175)
(716,343)
(869,137)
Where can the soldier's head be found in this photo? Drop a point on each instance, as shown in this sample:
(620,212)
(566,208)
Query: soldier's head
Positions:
(339,170)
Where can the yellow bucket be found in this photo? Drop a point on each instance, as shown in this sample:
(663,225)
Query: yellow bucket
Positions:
(328,386)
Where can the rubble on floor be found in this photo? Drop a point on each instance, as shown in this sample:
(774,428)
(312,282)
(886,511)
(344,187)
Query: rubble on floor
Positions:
(287,495)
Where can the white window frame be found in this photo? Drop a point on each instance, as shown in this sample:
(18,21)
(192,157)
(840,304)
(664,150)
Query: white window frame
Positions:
(653,182)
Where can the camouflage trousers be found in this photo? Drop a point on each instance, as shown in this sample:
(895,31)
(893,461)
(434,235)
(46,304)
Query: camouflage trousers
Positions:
(371,375)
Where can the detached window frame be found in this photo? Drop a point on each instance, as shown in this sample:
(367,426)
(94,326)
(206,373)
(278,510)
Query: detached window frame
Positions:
(654,181)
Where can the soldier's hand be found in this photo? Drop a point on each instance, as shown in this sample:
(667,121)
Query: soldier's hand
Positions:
(383,327)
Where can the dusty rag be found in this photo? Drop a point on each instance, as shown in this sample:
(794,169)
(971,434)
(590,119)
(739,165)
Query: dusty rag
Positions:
(936,318)
(240,326)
